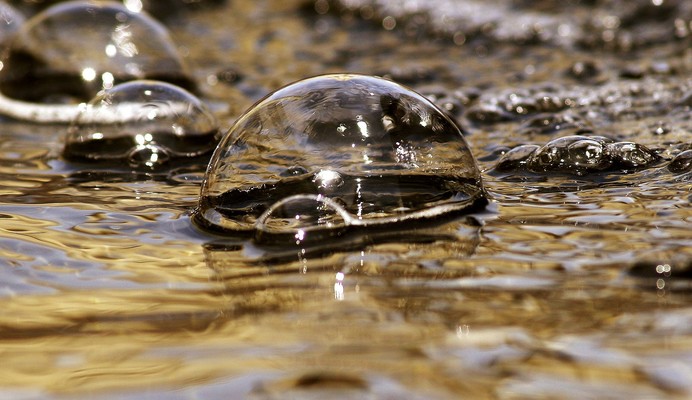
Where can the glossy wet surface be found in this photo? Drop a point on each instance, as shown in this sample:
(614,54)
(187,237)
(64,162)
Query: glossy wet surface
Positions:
(574,286)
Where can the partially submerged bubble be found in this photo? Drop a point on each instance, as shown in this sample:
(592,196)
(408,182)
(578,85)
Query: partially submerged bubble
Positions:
(155,122)
(76,48)
(305,219)
(381,151)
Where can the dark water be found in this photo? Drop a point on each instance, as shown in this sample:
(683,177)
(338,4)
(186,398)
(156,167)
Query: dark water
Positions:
(574,285)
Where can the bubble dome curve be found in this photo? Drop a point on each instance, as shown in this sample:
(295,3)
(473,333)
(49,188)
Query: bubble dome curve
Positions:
(154,122)
(381,151)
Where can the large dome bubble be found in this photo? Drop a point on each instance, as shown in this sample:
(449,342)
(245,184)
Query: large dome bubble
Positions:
(379,150)
(78,48)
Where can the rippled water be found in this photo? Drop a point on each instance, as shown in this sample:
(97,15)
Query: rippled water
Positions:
(567,286)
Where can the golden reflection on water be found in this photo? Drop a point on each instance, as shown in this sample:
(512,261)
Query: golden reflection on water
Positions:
(109,292)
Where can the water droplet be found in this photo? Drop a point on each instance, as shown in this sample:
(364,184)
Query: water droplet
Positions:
(49,58)
(381,151)
(143,123)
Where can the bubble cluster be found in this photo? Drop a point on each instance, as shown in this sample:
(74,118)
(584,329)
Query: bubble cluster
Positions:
(578,155)
(74,49)
(156,122)
(378,151)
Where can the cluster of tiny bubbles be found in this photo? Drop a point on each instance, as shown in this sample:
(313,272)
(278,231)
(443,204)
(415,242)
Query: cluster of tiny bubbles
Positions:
(357,150)
(142,123)
(578,155)
(72,50)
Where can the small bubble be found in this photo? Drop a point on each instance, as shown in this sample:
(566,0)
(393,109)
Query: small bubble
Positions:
(380,150)
(681,163)
(144,123)
(571,154)
(389,23)
(660,128)
(516,158)
(328,179)
(459,38)
(629,155)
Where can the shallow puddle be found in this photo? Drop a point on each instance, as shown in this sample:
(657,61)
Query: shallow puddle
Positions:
(574,282)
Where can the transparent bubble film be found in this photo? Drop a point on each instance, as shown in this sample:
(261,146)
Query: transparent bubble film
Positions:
(380,152)
(74,49)
(143,124)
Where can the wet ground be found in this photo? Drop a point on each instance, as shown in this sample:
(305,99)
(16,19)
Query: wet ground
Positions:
(577,283)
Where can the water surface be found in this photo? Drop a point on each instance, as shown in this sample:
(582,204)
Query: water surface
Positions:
(574,286)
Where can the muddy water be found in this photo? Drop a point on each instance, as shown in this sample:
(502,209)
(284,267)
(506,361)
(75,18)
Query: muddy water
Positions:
(573,286)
